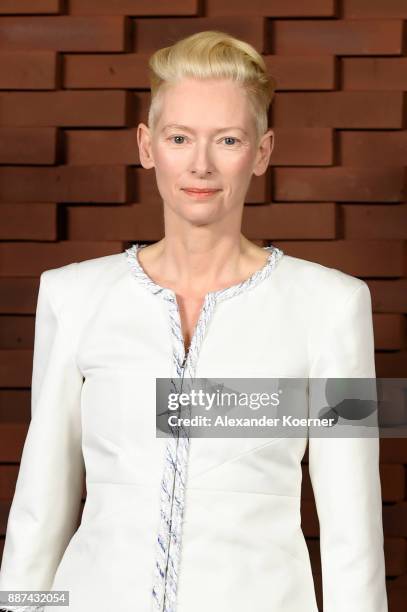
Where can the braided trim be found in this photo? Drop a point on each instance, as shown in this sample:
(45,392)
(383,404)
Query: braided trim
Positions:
(173,484)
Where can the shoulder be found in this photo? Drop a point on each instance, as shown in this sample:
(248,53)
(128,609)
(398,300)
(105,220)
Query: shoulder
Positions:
(317,296)
(77,281)
(326,303)
(312,281)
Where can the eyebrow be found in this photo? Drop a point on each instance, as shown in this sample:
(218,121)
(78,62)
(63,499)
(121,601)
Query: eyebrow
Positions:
(188,129)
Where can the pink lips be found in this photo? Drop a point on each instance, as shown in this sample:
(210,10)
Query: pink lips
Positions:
(200,193)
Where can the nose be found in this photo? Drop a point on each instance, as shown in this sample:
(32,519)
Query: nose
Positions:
(201,163)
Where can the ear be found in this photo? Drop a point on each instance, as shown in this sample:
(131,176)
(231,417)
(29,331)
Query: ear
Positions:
(263,154)
(144,146)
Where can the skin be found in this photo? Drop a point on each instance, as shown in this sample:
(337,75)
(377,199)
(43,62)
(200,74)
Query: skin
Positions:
(203,249)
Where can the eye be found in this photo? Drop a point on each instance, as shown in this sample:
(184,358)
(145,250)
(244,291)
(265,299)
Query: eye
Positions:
(171,137)
(227,138)
(231,138)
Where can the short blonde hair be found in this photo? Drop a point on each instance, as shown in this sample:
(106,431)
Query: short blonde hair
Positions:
(213,54)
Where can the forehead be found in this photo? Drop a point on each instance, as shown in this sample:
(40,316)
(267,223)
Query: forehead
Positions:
(209,103)
(188,128)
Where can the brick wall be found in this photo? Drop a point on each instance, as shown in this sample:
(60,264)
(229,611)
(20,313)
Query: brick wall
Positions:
(74,86)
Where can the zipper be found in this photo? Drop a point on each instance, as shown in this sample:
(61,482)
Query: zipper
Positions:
(185,358)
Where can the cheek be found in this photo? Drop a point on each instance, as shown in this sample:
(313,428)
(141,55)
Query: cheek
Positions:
(168,164)
(166,172)
(235,165)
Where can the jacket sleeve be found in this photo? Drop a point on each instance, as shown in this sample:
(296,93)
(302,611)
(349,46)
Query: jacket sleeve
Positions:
(344,472)
(47,496)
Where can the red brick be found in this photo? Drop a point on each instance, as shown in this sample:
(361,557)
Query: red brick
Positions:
(150,34)
(362,259)
(395,554)
(374,74)
(30,7)
(378,148)
(290,221)
(318,590)
(31,146)
(302,147)
(314,554)
(307,492)
(337,37)
(16,332)
(259,189)
(63,33)
(397,595)
(141,102)
(15,368)
(309,518)
(400,583)
(138,8)
(64,184)
(392,364)
(66,108)
(395,520)
(390,331)
(302,72)
(135,222)
(366,222)
(393,450)
(28,222)
(15,405)
(389,296)
(23,70)
(94,147)
(18,296)
(146,187)
(339,109)
(340,184)
(8,478)
(39,256)
(392,407)
(129,70)
(12,437)
(374,9)
(277,8)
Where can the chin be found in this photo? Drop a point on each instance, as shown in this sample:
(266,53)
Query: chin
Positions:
(198,213)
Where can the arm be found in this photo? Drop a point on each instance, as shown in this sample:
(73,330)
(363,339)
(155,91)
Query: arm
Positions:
(344,473)
(49,486)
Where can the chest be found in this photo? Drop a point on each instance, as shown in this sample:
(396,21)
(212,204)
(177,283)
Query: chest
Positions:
(256,333)
(189,311)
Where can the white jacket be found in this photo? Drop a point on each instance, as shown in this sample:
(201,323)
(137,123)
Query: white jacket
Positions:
(104,331)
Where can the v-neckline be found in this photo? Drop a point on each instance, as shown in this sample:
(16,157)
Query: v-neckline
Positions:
(223,293)
(184,358)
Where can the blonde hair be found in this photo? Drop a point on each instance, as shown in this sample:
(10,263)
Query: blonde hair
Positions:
(213,54)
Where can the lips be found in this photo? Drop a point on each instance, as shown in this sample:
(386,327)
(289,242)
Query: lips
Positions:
(200,194)
(195,190)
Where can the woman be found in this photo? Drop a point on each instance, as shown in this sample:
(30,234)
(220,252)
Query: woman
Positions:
(175,523)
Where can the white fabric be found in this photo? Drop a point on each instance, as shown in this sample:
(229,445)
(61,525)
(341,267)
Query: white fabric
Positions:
(101,339)
(175,473)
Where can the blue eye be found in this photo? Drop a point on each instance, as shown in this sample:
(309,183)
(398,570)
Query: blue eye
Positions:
(231,138)
(236,140)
